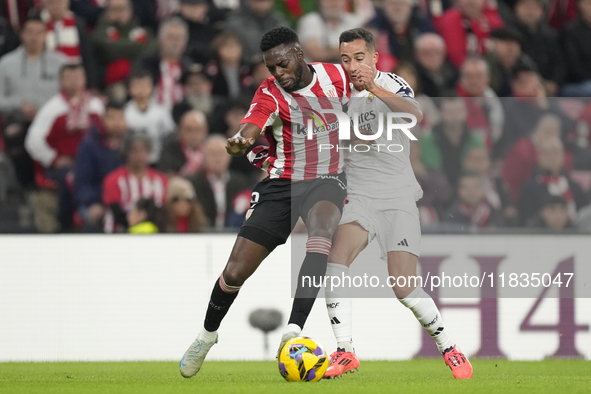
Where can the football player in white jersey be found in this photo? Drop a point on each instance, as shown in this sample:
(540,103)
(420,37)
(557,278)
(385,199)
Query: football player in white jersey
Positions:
(382,195)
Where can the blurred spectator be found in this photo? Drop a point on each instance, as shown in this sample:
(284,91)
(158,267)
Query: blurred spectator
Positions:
(185,214)
(434,8)
(166,8)
(435,73)
(145,217)
(530,104)
(223,193)
(119,40)
(8,40)
(550,179)
(251,21)
(68,34)
(553,215)
(431,116)
(123,187)
(436,191)
(168,64)
(293,10)
(561,12)
(231,114)
(29,77)
(400,24)
(57,130)
(446,147)
(17,12)
(202,32)
(145,115)
(540,42)
(89,10)
(197,93)
(497,195)
(466,28)
(505,53)
(319,31)
(575,37)
(583,222)
(471,207)
(182,152)
(258,73)
(521,159)
(485,110)
(229,73)
(98,155)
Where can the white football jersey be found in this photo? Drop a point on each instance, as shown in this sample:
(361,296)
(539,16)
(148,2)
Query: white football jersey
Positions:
(383,173)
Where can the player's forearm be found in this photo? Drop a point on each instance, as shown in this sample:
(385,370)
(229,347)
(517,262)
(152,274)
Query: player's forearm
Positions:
(398,103)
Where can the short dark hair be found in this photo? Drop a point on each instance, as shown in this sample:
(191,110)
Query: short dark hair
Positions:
(70,67)
(554,200)
(278,36)
(358,34)
(34,17)
(140,73)
(469,174)
(115,105)
(154,213)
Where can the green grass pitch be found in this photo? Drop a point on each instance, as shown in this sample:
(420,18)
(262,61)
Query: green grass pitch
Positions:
(408,377)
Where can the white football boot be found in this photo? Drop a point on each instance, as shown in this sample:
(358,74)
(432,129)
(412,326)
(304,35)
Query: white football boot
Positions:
(194,357)
(292,331)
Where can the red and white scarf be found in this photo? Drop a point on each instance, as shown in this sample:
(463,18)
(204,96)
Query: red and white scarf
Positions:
(170,90)
(558,186)
(62,36)
(194,161)
(478,215)
(78,116)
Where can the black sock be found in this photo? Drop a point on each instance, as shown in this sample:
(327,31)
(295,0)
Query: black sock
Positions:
(219,304)
(314,267)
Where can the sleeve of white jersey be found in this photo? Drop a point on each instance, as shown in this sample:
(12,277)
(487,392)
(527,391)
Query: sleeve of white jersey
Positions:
(396,84)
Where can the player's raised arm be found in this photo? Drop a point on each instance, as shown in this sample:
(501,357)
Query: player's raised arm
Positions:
(400,101)
(243,139)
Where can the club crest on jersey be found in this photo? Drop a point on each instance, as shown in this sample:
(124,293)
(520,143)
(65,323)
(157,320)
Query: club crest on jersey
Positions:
(331,91)
(370,98)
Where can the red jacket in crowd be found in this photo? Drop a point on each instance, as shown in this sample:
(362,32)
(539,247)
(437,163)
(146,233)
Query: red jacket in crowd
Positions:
(124,189)
(463,36)
(59,127)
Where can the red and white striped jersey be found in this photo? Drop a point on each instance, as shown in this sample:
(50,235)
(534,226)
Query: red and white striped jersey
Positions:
(283,117)
(121,187)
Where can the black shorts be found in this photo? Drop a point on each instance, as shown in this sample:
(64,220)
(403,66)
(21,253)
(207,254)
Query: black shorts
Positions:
(277,204)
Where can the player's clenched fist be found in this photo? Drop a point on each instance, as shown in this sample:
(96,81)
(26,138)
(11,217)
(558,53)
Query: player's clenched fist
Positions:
(237,145)
(365,75)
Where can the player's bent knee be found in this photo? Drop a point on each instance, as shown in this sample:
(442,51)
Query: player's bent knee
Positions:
(234,277)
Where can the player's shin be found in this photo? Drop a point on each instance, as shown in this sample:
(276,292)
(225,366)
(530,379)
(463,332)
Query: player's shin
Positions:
(426,312)
(221,299)
(338,305)
(310,278)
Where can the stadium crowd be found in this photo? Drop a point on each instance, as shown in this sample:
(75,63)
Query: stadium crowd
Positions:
(114,113)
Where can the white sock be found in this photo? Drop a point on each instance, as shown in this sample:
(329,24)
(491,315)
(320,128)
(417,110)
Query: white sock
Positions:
(207,336)
(339,308)
(292,327)
(426,312)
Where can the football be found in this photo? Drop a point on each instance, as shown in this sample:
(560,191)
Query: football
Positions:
(302,359)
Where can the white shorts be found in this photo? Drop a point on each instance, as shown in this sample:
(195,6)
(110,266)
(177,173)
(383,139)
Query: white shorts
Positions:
(396,226)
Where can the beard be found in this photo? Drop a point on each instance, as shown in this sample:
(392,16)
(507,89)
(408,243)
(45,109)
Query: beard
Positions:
(297,78)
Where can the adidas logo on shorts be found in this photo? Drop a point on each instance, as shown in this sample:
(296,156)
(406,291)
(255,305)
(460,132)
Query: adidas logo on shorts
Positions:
(403,242)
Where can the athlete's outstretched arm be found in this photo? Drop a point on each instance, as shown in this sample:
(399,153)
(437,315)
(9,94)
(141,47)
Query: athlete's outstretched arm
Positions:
(243,139)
